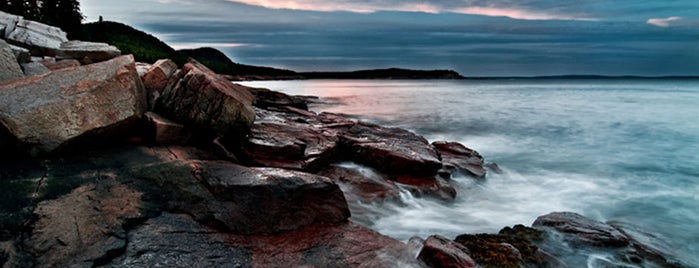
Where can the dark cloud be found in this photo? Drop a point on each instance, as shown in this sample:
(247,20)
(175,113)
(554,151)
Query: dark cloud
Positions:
(619,41)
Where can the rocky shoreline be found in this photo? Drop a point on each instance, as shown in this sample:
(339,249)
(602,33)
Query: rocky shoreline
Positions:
(110,162)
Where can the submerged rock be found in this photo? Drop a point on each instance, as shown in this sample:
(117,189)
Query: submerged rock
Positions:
(49,111)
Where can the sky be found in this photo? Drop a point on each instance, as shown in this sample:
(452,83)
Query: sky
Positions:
(472,37)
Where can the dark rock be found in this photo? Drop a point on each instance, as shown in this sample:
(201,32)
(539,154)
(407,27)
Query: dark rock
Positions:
(247,200)
(439,251)
(9,68)
(203,99)
(85,226)
(163,131)
(265,98)
(362,184)
(579,229)
(49,111)
(156,78)
(390,150)
(456,156)
(12,256)
(512,247)
(433,186)
(87,52)
(173,240)
(494,167)
(326,245)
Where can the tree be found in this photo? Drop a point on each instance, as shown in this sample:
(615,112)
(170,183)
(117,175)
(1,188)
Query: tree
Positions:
(26,8)
(64,14)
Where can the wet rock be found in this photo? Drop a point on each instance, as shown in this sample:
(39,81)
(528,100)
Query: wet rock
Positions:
(579,229)
(84,227)
(163,131)
(157,77)
(512,247)
(390,150)
(82,50)
(326,245)
(439,251)
(34,68)
(9,68)
(290,145)
(265,98)
(173,240)
(456,156)
(362,184)
(39,38)
(203,99)
(53,110)
(432,186)
(247,200)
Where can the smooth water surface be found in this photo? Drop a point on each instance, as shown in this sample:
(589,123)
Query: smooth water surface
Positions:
(622,150)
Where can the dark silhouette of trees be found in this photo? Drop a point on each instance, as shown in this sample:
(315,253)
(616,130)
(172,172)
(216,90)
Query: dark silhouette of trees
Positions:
(65,14)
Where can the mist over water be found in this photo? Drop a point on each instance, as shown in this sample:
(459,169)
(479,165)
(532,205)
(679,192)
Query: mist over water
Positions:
(612,150)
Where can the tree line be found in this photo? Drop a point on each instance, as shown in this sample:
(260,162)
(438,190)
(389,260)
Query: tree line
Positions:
(65,14)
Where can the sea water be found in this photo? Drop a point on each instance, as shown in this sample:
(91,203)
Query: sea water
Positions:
(609,149)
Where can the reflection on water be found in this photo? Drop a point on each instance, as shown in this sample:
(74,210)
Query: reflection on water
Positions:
(622,150)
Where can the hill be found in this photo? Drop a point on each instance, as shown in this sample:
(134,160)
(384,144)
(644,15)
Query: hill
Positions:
(148,48)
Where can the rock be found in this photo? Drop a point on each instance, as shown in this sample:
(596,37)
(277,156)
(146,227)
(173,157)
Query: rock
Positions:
(8,23)
(439,251)
(247,200)
(157,77)
(61,64)
(512,247)
(39,38)
(456,156)
(22,54)
(173,240)
(579,229)
(85,227)
(361,184)
(433,186)
(205,100)
(9,68)
(289,145)
(265,98)
(12,256)
(54,110)
(390,150)
(163,131)
(82,50)
(142,68)
(34,68)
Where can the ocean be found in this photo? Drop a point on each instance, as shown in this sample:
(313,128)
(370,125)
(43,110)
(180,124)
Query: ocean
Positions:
(624,150)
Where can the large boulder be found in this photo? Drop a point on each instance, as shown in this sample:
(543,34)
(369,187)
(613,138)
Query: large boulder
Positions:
(9,68)
(439,251)
(87,52)
(391,150)
(156,78)
(202,98)
(40,38)
(53,110)
(455,156)
(247,200)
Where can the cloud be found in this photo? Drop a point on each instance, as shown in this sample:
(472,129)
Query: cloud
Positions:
(662,22)
(493,9)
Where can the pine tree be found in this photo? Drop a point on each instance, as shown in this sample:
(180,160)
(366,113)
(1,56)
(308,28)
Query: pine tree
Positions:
(64,14)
